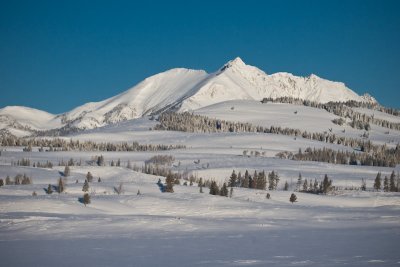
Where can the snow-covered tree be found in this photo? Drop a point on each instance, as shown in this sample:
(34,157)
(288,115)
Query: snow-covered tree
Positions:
(293,198)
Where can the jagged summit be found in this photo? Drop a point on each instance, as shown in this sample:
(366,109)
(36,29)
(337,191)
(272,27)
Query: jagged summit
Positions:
(186,89)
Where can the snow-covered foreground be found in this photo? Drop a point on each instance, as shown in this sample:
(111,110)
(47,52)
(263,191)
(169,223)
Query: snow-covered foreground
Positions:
(187,228)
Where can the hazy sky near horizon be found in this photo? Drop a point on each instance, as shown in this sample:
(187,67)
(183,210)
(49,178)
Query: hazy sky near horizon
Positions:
(56,55)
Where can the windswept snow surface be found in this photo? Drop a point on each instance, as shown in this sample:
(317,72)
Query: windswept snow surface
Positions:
(187,228)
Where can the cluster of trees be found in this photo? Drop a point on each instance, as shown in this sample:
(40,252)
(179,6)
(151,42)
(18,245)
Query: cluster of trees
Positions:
(344,109)
(19,179)
(388,184)
(257,181)
(57,144)
(317,187)
(216,191)
(189,122)
(384,158)
(161,160)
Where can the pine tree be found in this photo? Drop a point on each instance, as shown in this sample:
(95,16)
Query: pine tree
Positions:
(326,185)
(224,190)
(61,185)
(138,192)
(255,180)
(67,171)
(86,199)
(1,182)
(49,189)
(386,184)
(100,161)
(233,179)
(85,187)
(268,196)
(262,181)
(89,177)
(99,180)
(214,189)
(392,183)
(246,180)
(286,187)
(119,163)
(169,180)
(363,184)
(293,198)
(378,181)
(299,182)
(239,180)
(305,185)
(200,184)
(231,192)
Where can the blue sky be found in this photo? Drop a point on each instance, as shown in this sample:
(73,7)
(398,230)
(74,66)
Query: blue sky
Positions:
(56,55)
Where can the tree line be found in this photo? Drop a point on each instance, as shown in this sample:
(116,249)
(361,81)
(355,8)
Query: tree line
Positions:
(389,157)
(344,109)
(58,144)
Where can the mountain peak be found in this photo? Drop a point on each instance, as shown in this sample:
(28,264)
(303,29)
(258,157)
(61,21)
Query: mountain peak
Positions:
(237,62)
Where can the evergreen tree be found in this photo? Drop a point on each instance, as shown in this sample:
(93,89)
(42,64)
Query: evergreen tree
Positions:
(138,192)
(49,189)
(85,187)
(8,180)
(326,185)
(99,180)
(255,180)
(386,184)
(286,187)
(363,184)
(100,161)
(119,163)
(214,189)
(1,182)
(67,171)
(273,180)
(61,185)
(305,185)
(233,179)
(86,199)
(299,182)
(293,198)
(169,180)
(392,185)
(378,181)
(89,177)
(200,184)
(231,192)
(239,180)
(201,188)
(268,196)
(262,181)
(224,190)
(246,180)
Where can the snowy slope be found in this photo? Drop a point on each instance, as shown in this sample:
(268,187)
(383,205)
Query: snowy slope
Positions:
(152,95)
(238,81)
(21,120)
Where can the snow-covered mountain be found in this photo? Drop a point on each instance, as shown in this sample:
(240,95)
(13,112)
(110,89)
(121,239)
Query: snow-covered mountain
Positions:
(183,89)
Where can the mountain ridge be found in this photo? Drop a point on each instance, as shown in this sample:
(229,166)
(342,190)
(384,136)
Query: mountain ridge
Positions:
(184,89)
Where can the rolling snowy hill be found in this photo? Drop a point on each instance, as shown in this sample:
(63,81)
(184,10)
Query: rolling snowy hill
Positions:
(182,89)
